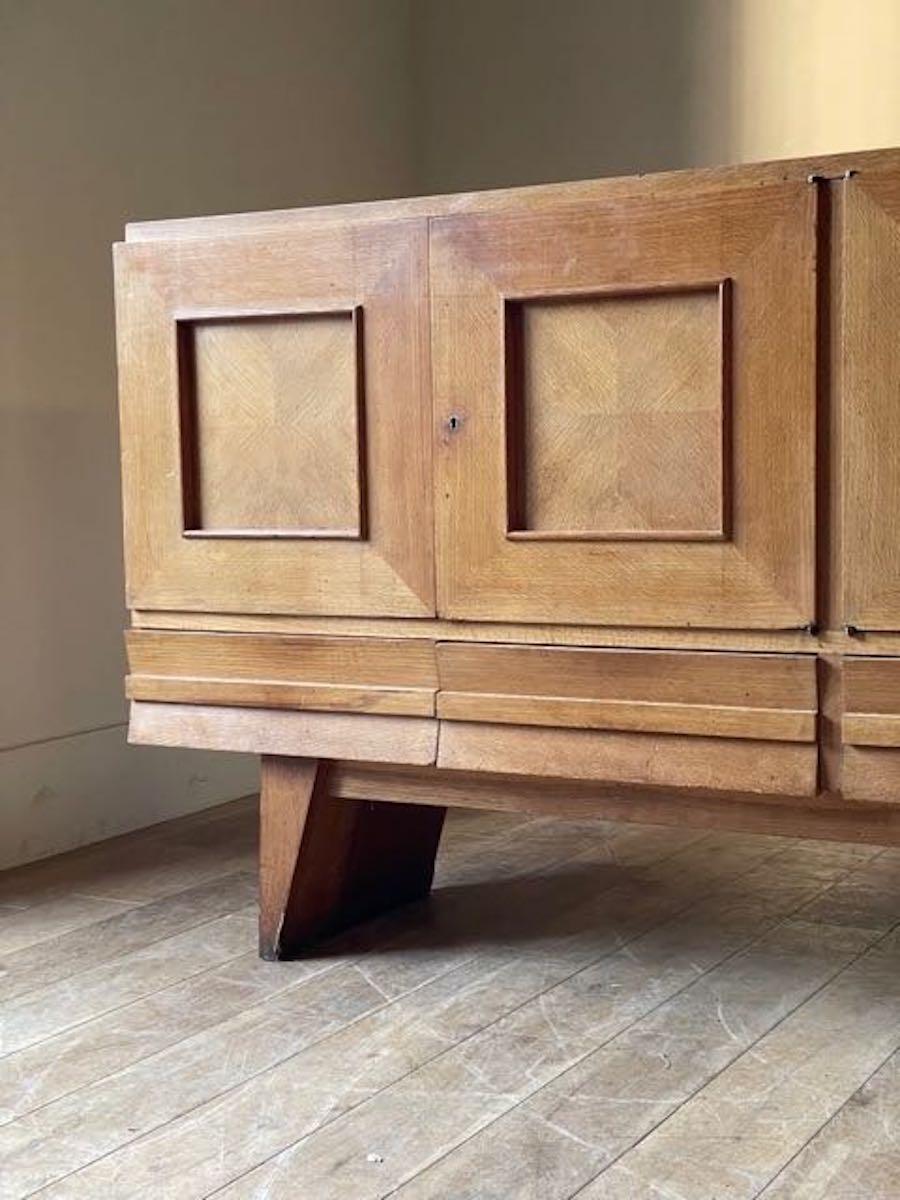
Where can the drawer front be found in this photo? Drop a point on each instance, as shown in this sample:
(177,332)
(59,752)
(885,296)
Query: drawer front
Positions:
(716,721)
(871,730)
(721,721)
(387,676)
(768,697)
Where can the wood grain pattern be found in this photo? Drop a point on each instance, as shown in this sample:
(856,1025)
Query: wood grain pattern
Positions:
(320,659)
(616,410)
(327,863)
(263,671)
(763,575)
(718,695)
(869,383)
(872,773)
(785,641)
(872,729)
(369,737)
(714,694)
(872,702)
(381,269)
(602,296)
(758,680)
(828,818)
(772,768)
(872,685)
(637,716)
(264,693)
(285,801)
(272,427)
(754,640)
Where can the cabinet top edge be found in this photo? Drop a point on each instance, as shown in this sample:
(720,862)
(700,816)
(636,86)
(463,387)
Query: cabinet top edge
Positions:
(533,195)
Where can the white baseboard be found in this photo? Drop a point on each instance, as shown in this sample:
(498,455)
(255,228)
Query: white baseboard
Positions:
(68,792)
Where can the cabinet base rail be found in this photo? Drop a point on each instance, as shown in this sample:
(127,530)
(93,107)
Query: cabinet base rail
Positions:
(352,806)
(341,843)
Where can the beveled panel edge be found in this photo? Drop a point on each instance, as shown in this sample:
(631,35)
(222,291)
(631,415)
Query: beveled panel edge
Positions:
(266,693)
(185,319)
(871,729)
(632,716)
(513,351)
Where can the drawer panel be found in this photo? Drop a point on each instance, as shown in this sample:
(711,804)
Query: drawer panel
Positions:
(390,676)
(731,696)
(872,702)
(660,760)
(871,730)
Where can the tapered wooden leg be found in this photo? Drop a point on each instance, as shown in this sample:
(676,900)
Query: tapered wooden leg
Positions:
(326,863)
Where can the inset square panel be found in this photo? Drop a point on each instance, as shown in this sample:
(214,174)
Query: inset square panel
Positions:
(271,426)
(616,416)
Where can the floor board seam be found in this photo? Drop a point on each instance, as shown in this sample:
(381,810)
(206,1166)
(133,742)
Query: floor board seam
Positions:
(353,961)
(573,1066)
(824,1125)
(234,1087)
(772,1028)
(117,957)
(498,840)
(776,852)
(662,857)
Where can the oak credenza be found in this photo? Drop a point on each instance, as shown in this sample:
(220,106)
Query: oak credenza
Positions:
(580,498)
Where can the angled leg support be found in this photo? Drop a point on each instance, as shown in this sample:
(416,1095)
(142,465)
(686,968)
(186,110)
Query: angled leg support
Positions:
(326,864)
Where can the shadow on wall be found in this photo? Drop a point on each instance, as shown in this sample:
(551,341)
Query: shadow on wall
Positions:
(526,92)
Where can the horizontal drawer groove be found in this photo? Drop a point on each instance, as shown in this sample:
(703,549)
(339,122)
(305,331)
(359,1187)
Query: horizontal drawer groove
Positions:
(639,716)
(871,729)
(681,677)
(313,673)
(265,693)
(765,698)
(293,658)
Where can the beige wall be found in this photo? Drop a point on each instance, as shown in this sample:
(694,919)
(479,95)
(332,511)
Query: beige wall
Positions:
(519,91)
(118,109)
(813,76)
(524,91)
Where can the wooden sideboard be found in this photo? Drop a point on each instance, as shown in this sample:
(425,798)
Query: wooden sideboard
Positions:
(580,498)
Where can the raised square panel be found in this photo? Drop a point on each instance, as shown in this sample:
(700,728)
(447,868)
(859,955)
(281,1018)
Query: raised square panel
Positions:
(271,426)
(616,416)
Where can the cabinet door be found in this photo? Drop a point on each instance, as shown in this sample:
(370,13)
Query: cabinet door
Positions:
(275,412)
(625,411)
(870,396)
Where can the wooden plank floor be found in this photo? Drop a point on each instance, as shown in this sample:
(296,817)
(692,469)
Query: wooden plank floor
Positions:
(582,1009)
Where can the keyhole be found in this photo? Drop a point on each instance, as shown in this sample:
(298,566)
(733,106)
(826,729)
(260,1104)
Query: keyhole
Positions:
(453,423)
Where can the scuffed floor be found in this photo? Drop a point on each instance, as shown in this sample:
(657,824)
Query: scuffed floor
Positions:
(582,1009)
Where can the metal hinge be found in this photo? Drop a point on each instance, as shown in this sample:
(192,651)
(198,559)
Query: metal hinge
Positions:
(848,174)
